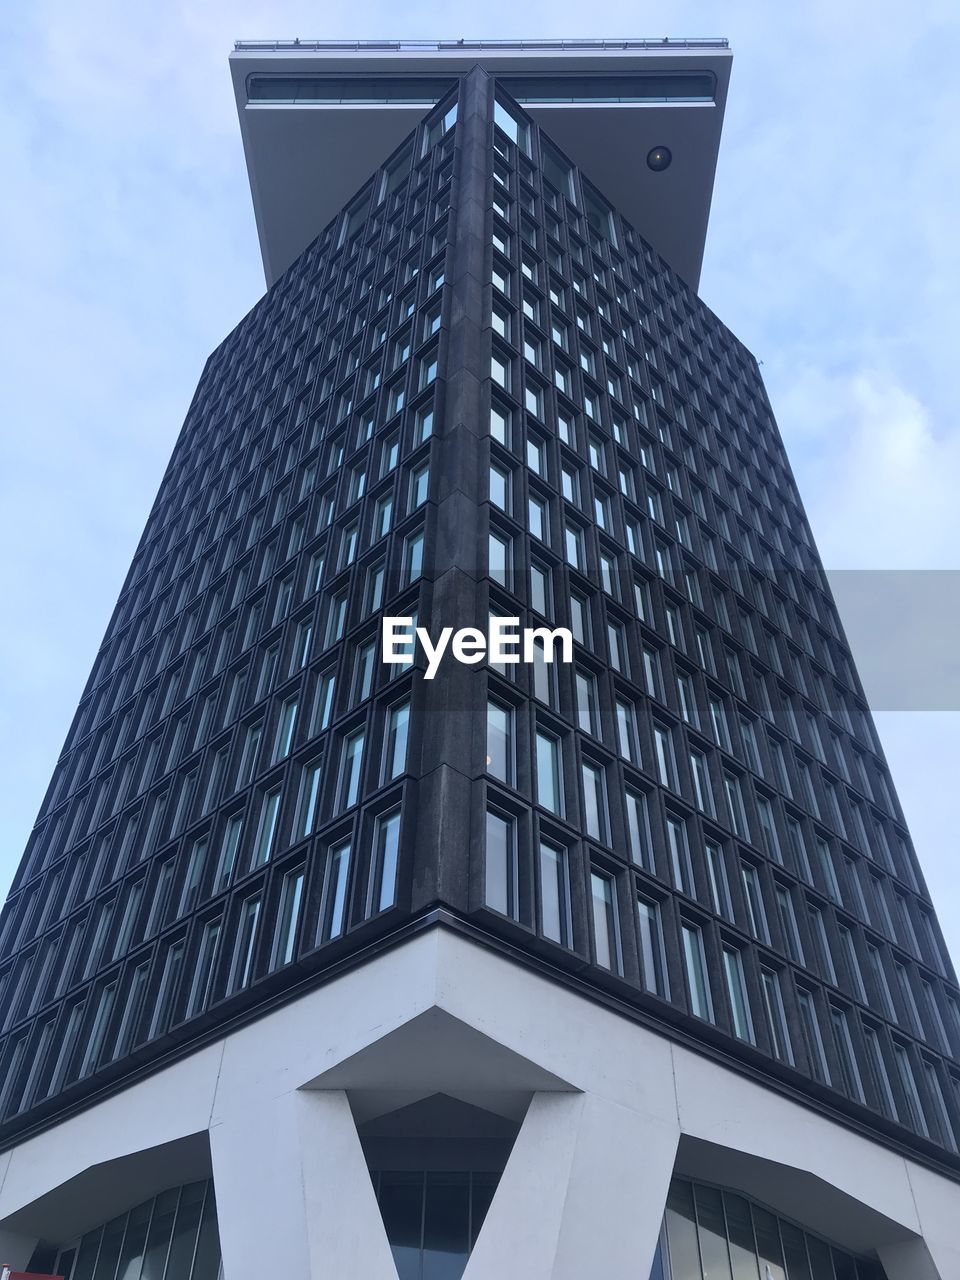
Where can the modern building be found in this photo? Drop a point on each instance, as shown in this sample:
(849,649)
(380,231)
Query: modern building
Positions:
(318,968)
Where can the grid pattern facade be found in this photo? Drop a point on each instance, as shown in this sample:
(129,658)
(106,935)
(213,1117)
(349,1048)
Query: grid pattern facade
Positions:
(480,392)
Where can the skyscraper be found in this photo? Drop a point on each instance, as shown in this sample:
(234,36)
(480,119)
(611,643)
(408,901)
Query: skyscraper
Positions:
(616,966)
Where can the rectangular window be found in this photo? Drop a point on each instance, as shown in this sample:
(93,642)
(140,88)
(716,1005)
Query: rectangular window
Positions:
(285,727)
(201,988)
(288,917)
(501,874)
(605,930)
(383,870)
(241,970)
(915,1116)
(555,922)
(702,791)
(351,761)
(843,1043)
(267,831)
(812,1039)
(548,778)
(398,729)
(777,1028)
(695,966)
(666,764)
(333,897)
(717,877)
(738,814)
(638,828)
(680,863)
(737,994)
(500,752)
(756,915)
(594,801)
(652,955)
(228,853)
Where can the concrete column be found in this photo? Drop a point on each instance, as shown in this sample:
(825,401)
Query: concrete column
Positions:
(518,1240)
(582,1194)
(937,1255)
(15,1249)
(294,1198)
(616,1193)
(910,1261)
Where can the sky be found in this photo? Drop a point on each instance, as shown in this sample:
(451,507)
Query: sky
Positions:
(129,251)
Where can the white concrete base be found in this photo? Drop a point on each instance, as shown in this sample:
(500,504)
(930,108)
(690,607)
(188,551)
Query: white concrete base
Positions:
(613,1110)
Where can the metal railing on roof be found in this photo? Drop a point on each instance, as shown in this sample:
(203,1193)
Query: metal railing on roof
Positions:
(440,46)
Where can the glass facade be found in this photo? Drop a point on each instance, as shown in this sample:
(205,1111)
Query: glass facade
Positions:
(710,1234)
(433,1219)
(172,1237)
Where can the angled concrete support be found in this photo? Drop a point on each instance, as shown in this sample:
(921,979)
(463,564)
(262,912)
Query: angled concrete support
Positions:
(292,1182)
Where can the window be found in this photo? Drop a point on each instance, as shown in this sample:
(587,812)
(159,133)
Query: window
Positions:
(501,868)
(351,760)
(548,778)
(228,853)
(167,990)
(605,934)
(627,738)
(768,829)
(638,828)
(878,1072)
(498,554)
(419,486)
(500,751)
(588,713)
(322,703)
(573,546)
(499,486)
(915,1116)
(413,557)
(843,1043)
(681,865)
(717,878)
(267,830)
(737,994)
(288,917)
(201,988)
(776,1016)
(702,791)
(333,894)
(285,728)
(395,753)
(594,801)
(383,871)
(652,956)
(695,967)
(555,922)
(756,915)
(738,815)
(812,1039)
(666,763)
(537,518)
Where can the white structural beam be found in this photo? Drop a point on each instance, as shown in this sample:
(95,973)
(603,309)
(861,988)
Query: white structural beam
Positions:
(615,1110)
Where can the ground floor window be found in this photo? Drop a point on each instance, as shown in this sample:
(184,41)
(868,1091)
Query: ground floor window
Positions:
(433,1219)
(709,1232)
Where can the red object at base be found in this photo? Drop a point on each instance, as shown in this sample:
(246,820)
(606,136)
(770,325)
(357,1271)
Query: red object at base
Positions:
(32,1275)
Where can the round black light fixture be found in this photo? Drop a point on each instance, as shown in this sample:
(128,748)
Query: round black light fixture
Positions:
(659,158)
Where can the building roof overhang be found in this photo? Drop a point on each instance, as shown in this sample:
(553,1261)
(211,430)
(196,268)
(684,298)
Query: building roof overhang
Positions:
(306,155)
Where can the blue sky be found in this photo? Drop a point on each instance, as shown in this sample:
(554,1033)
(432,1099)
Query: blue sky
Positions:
(130,251)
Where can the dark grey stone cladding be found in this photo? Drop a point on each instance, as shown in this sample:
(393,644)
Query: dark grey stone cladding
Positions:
(642,497)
